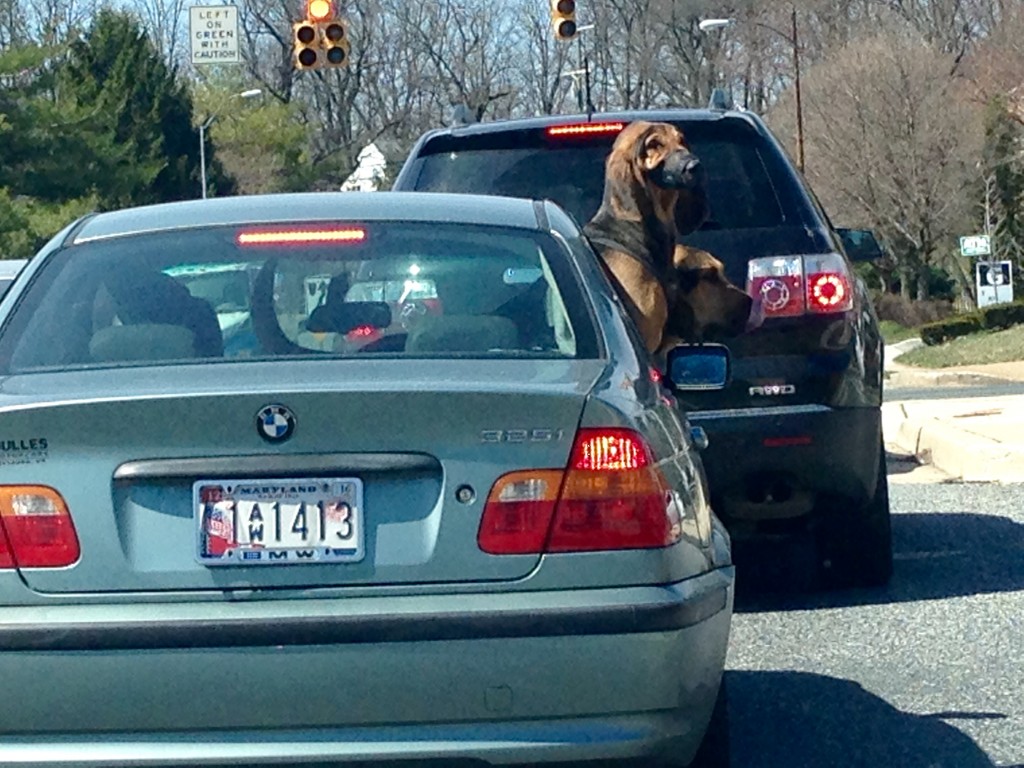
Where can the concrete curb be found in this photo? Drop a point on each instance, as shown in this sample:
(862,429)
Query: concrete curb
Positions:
(905,378)
(957,452)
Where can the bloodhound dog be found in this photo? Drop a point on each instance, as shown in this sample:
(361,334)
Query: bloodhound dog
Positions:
(654,192)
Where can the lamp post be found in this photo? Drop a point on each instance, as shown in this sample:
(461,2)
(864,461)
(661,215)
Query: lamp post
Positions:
(582,71)
(794,42)
(250,94)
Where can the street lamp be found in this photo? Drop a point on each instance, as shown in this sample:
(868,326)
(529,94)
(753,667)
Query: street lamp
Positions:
(250,94)
(705,24)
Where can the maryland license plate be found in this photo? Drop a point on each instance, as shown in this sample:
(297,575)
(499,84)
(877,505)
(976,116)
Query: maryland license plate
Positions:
(279,522)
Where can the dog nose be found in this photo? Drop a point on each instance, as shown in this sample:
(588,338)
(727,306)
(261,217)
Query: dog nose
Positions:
(692,165)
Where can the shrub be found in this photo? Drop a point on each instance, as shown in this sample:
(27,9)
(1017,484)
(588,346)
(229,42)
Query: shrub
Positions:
(908,313)
(951,328)
(1002,316)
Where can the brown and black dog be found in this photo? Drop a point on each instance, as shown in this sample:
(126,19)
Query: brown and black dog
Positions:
(654,192)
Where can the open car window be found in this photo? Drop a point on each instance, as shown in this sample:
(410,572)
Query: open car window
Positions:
(400,289)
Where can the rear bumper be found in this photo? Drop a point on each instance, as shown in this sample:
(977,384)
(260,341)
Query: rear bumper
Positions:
(822,450)
(468,677)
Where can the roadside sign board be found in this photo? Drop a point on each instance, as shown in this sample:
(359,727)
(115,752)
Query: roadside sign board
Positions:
(213,33)
(994,280)
(975,245)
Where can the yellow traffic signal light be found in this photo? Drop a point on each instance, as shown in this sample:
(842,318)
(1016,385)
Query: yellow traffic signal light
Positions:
(306,42)
(319,10)
(335,43)
(563,19)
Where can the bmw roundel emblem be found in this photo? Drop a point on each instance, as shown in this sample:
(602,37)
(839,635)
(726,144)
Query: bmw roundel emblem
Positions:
(275,423)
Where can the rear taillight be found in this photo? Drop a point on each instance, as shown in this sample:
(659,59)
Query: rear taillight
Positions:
(795,285)
(612,496)
(36,530)
(518,512)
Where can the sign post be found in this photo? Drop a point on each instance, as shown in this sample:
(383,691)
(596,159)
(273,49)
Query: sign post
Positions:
(213,33)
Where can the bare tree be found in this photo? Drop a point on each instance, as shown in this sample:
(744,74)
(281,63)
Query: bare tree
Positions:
(167,25)
(893,141)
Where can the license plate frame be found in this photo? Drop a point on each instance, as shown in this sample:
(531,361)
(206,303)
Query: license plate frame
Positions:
(256,521)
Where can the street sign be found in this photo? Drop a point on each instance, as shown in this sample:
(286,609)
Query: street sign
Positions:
(994,280)
(213,32)
(975,245)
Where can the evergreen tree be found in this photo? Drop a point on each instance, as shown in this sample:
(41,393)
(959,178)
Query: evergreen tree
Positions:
(117,73)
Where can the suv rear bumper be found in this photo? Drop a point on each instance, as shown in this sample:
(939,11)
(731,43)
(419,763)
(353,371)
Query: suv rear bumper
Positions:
(774,462)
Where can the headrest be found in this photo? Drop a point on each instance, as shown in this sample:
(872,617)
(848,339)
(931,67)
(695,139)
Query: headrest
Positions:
(143,341)
(465,333)
(343,317)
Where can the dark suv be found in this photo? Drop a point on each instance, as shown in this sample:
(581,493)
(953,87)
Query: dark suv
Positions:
(795,439)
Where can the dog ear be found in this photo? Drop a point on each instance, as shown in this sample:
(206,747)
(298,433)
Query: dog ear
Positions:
(653,146)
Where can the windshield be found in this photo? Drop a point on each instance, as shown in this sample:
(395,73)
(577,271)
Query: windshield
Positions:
(396,289)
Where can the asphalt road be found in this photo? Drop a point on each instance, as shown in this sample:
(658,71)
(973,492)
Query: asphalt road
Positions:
(927,673)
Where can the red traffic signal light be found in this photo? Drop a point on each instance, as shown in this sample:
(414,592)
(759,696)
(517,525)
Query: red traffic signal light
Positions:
(563,19)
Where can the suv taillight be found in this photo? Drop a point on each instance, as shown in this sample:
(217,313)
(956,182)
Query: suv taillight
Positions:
(36,530)
(612,496)
(795,285)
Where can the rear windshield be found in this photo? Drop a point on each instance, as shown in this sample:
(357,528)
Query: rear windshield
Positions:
(400,289)
(571,172)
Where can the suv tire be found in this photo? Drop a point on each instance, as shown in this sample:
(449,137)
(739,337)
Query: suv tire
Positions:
(857,550)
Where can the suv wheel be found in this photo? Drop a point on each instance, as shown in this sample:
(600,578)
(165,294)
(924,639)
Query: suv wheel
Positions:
(857,550)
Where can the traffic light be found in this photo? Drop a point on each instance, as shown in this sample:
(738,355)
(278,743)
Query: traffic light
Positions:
(563,19)
(321,39)
(335,43)
(306,41)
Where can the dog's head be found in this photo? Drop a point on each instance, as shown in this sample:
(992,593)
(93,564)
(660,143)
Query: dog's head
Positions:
(707,306)
(651,162)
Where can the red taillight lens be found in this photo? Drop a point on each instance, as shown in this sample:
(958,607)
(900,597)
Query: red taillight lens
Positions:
(37,526)
(608,450)
(6,556)
(612,496)
(580,130)
(518,512)
(795,285)
(828,284)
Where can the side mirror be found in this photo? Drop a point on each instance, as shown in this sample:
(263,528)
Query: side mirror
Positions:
(698,366)
(860,244)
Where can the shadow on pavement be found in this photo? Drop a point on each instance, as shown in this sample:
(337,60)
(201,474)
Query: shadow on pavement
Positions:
(900,464)
(789,719)
(936,556)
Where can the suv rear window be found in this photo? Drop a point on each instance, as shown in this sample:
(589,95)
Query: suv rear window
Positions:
(571,171)
(402,289)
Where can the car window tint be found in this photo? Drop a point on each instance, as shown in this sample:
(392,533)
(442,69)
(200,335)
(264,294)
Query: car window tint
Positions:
(407,289)
(741,192)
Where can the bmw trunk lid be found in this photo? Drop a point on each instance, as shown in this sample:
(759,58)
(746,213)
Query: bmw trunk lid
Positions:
(378,468)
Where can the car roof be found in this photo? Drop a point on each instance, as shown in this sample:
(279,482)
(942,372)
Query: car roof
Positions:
(653,115)
(309,206)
